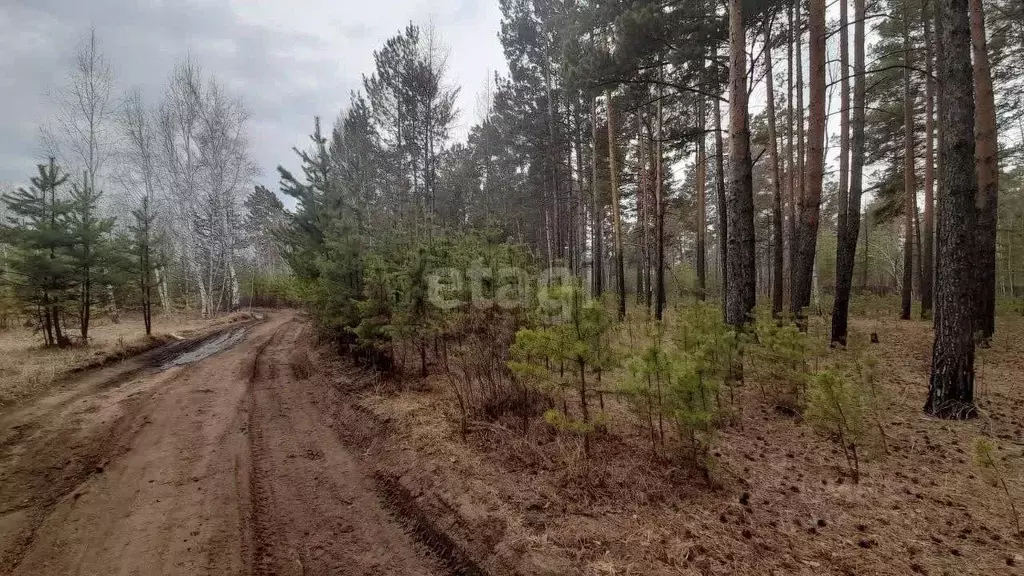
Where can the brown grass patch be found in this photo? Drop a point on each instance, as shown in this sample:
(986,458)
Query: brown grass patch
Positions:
(28,369)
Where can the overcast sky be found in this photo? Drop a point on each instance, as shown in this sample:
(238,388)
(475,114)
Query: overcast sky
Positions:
(288,59)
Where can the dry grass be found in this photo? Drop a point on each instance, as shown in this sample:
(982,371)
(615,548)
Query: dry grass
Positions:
(784,503)
(28,369)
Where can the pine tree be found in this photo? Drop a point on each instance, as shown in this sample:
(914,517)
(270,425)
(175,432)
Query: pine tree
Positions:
(148,258)
(91,253)
(987,201)
(909,177)
(846,247)
(951,390)
(928,233)
(740,272)
(773,149)
(620,272)
(41,270)
(810,200)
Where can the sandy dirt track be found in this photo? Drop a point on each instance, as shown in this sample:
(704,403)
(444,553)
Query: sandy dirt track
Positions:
(228,465)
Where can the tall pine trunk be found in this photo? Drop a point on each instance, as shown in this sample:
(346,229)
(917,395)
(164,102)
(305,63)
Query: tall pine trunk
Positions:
(940,59)
(723,221)
(741,274)
(810,202)
(844,120)
(801,137)
(909,179)
(987,199)
(928,227)
(613,177)
(773,148)
(660,208)
(791,155)
(951,389)
(597,211)
(701,192)
(846,247)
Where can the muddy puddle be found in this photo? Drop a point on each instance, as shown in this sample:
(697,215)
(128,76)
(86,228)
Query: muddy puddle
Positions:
(206,348)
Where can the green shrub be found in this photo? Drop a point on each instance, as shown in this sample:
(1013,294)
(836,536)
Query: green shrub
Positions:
(557,357)
(680,383)
(778,360)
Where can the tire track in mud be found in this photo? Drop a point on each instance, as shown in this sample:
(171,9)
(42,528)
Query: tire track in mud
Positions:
(244,456)
(361,429)
(316,507)
(402,505)
(260,558)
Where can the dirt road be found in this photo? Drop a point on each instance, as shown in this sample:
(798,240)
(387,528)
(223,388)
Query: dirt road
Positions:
(225,465)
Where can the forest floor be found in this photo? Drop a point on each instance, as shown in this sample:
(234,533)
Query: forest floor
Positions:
(253,451)
(783,501)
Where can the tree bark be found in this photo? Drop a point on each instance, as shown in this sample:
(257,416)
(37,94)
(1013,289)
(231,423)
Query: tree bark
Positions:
(701,192)
(644,215)
(597,211)
(940,59)
(791,155)
(810,203)
(909,178)
(987,160)
(741,274)
(801,138)
(620,272)
(951,389)
(773,148)
(844,119)
(928,232)
(660,208)
(723,221)
(846,246)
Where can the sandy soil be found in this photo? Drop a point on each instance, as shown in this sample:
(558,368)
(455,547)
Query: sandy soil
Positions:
(228,465)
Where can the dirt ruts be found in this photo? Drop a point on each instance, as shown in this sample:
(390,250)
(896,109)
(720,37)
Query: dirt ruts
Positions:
(231,464)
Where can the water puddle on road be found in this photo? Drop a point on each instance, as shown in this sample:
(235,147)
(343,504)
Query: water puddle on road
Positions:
(206,348)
